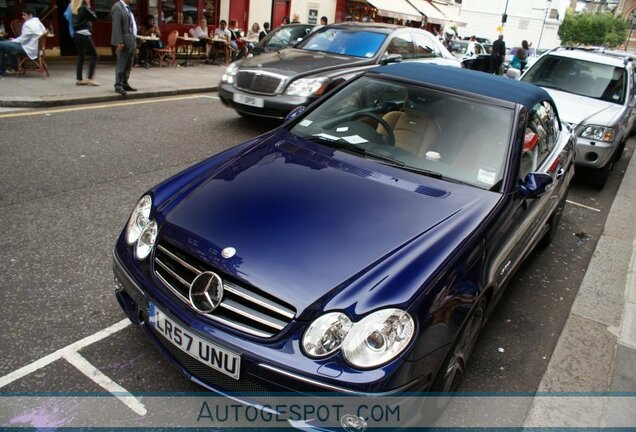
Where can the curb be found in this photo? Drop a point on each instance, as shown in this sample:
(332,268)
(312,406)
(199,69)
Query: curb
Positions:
(48,103)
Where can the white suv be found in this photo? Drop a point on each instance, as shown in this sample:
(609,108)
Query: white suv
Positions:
(594,93)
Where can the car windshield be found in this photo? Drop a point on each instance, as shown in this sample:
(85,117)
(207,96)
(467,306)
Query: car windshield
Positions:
(415,128)
(350,42)
(581,77)
(284,37)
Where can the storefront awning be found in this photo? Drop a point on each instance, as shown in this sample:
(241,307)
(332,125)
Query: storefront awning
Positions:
(433,15)
(450,13)
(398,9)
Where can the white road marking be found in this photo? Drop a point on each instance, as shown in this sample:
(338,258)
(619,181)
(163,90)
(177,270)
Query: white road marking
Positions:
(210,97)
(583,206)
(74,347)
(103,381)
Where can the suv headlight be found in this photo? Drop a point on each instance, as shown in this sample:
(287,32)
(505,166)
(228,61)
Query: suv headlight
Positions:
(230,73)
(371,342)
(598,133)
(307,87)
(138,219)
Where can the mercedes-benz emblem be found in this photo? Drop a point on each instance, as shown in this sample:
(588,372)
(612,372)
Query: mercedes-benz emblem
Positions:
(206,292)
(228,252)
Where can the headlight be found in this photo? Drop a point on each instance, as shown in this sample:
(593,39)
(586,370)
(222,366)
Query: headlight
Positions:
(326,334)
(230,73)
(146,241)
(598,133)
(138,219)
(378,338)
(307,87)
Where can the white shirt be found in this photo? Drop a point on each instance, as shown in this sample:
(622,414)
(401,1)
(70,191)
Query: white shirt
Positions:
(200,33)
(225,34)
(32,29)
(132,17)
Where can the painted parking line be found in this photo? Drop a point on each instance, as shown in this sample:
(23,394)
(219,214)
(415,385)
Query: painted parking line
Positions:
(106,383)
(74,347)
(99,106)
(211,97)
(583,206)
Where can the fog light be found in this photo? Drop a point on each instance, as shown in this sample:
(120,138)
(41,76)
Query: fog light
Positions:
(591,156)
(353,423)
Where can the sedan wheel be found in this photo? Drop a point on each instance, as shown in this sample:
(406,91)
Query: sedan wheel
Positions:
(453,369)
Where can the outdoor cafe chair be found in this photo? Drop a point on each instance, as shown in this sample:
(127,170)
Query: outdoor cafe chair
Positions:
(37,64)
(169,53)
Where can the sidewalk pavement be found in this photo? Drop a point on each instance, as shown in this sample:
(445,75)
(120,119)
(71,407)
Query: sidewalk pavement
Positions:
(596,351)
(31,91)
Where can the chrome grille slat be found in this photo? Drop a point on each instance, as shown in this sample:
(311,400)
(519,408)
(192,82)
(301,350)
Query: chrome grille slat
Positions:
(252,314)
(179,260)
(258,82)
(242,308)
(184,282)
(261,301)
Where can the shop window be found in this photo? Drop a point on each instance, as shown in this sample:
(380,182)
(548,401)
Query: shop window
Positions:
(209,11)
(190,11)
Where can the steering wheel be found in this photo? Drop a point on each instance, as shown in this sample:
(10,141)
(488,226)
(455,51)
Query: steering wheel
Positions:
(389,138)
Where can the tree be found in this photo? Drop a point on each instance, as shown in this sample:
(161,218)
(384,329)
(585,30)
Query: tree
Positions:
(593,28)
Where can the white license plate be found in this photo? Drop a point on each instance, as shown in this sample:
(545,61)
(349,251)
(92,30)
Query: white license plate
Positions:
(248,100)
(207,353)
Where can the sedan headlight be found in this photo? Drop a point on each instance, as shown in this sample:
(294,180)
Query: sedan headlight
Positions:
(146,240)
(378,338)
(230,73)
(307,87)
(138,219)
(326,334)
(371,342)
(598,133)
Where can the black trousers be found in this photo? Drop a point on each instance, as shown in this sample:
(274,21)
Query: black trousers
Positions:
(84,44)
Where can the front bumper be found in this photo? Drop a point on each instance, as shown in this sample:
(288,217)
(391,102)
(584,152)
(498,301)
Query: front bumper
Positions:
(274,106)
(258,375)
(594,154)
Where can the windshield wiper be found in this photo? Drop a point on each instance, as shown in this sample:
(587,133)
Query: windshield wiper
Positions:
(387,160)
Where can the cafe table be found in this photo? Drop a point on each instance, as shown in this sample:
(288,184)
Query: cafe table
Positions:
(222,45)
(189,41)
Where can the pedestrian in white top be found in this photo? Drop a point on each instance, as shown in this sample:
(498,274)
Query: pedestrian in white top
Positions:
(26,43)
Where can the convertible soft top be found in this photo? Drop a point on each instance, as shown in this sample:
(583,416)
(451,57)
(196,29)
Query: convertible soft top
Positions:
(467,80)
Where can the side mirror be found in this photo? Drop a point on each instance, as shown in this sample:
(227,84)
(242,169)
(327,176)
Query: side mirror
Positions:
(390,58)
(294,113)
(535,185)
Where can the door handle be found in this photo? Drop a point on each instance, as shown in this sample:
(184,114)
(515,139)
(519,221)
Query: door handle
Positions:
(560,173)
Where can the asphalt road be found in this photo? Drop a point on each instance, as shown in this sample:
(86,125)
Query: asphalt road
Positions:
(68,180)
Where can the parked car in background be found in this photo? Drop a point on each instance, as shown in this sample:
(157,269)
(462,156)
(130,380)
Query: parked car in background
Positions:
(595,94)
(272,84)
(356,249)
(283,37)
(459,48)
(480,39)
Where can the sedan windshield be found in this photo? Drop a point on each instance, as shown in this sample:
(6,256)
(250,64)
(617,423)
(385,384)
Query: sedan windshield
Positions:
(284,37)
(414,128)
(585,78)
(350,42)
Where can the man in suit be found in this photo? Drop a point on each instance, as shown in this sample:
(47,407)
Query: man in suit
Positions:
(123,37)
(497,55)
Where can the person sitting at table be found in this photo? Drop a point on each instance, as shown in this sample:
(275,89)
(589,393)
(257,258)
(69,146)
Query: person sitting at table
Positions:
(263,32)
(236,40)
(201,32)
(252,37)
(149,28)
(222,32)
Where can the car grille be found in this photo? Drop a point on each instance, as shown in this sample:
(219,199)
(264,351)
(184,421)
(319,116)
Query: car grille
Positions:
(256,82)
(242,307)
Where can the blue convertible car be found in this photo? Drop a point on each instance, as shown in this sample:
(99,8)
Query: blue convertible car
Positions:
(359,247)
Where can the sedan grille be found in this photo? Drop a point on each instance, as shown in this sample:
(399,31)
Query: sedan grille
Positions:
(257,82)
(241,307)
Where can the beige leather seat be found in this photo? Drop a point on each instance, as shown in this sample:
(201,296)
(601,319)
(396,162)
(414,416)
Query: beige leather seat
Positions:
(414,130)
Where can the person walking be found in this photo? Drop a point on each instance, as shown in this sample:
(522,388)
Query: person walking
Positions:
(83,18)
(26,43)
(123,37)
(497,55)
